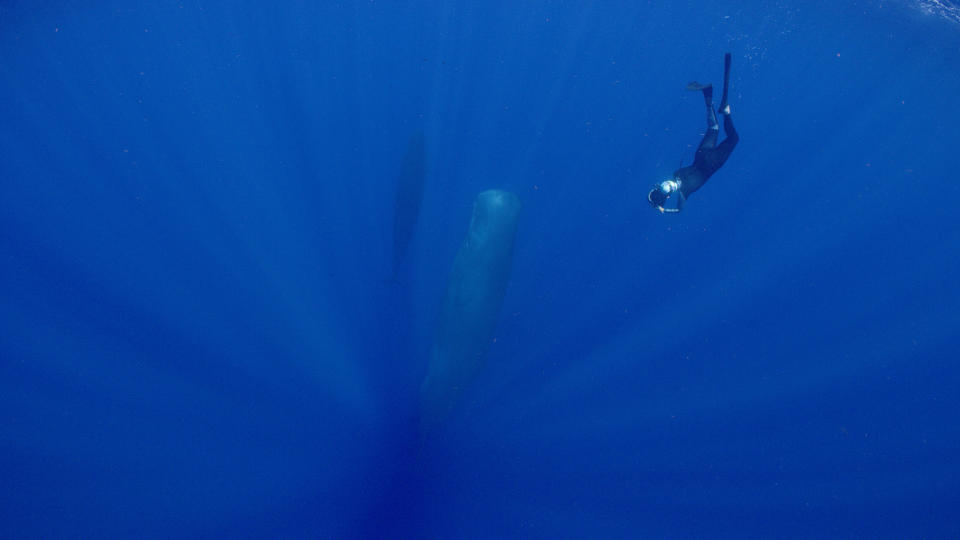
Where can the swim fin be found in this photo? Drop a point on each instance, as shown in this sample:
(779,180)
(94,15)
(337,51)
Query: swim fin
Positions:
(695,86)
(724,108)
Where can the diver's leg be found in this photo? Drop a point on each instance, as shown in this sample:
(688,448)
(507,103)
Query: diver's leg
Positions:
(730,131)
(711,156)
(714,158)
(711,115)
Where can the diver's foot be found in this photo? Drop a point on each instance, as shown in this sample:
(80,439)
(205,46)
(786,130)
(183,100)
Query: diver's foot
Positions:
(694,86)
(725,109)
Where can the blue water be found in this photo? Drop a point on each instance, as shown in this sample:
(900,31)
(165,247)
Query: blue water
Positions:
(200,335)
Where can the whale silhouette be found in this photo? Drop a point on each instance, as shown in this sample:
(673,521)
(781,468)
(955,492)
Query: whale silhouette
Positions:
(471,304)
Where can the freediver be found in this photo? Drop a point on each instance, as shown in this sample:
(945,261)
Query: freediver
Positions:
(710,156)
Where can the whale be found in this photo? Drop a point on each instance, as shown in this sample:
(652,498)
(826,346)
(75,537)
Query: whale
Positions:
(471,304)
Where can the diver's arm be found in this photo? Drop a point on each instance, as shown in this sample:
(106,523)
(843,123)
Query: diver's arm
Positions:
(680,200)
(676,210)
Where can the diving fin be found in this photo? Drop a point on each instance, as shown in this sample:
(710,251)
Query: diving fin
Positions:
(695,86)
(724,108)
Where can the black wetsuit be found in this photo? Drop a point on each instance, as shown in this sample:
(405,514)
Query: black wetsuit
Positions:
(710,155)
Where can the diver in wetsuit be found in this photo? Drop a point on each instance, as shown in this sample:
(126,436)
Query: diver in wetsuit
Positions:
(710,155)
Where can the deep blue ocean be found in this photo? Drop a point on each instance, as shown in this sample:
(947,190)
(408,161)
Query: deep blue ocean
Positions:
(203,332)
